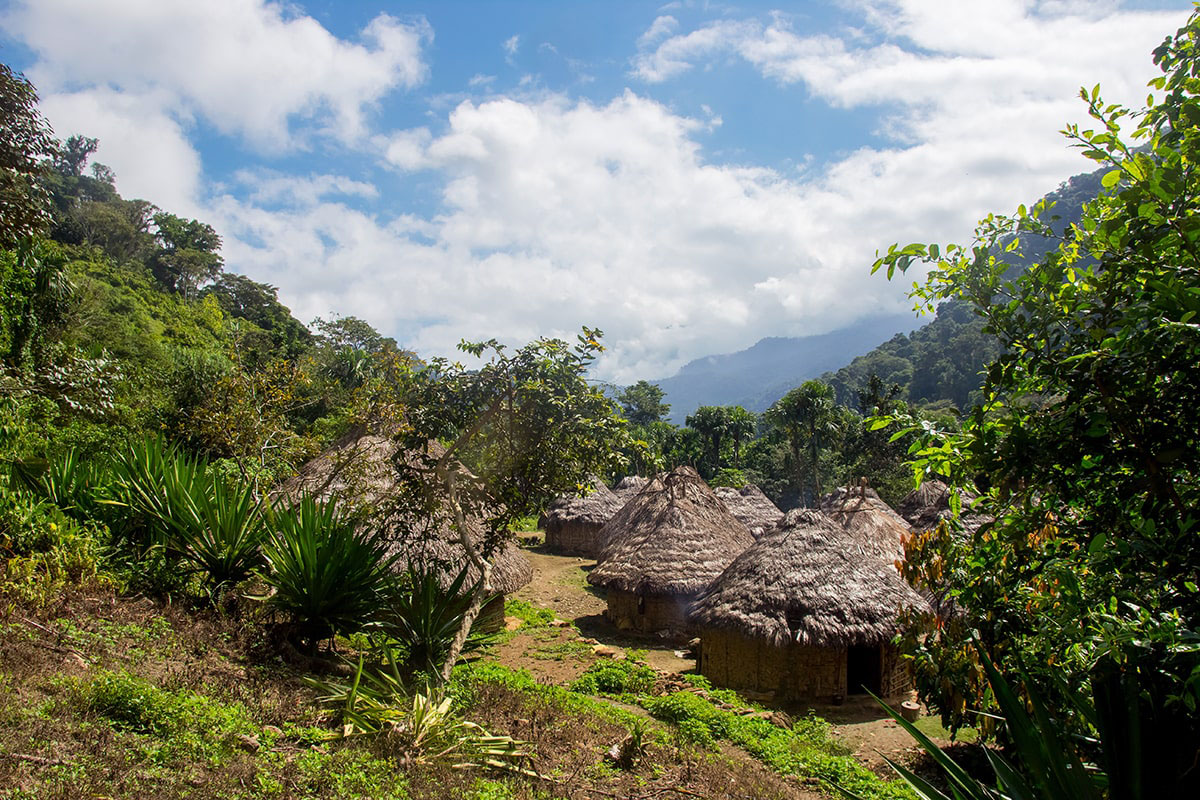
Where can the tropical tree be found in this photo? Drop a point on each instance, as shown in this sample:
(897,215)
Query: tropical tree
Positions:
(642,403)
(741,426)
(809,418)
(1085,444)
(26,143)
(523,428)
(712,424)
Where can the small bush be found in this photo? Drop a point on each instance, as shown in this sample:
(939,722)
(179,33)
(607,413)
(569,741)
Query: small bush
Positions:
(626,676)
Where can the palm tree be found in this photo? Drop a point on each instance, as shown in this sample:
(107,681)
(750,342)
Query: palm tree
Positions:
(808,416)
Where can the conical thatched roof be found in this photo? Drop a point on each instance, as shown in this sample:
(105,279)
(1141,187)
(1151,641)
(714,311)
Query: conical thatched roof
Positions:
(929,504)
(808,581)
(751,506)
(628,487)
(358,473)
(595,508)
(673,538)
(869,521)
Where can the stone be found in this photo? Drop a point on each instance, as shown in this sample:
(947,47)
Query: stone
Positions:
(605,651)
(910,710)
(273,730)
(246,742)
(559,623)
(512,623)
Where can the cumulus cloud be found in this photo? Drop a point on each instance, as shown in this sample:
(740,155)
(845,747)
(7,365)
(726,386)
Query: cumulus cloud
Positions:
(251,68)
(551,212)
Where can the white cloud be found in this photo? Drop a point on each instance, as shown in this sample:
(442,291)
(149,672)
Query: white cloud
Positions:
(146,147)
(510,46)
(271,187)
(251,68)
(557,212)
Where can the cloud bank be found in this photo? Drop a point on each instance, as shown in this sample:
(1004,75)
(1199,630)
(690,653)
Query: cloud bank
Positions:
(555,211)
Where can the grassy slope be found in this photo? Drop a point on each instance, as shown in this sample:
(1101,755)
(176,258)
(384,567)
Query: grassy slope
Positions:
(103,696)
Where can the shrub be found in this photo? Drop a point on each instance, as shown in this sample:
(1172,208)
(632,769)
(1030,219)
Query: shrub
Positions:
(330,575)
(626,676)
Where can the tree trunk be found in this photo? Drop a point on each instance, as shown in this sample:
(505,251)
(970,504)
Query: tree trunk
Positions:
(483,586)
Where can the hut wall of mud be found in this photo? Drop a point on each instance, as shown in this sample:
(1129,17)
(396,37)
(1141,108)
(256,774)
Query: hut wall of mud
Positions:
(648,612)
(572,538)
(799,672)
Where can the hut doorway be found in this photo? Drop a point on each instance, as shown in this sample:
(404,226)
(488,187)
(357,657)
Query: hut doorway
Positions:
(864,670)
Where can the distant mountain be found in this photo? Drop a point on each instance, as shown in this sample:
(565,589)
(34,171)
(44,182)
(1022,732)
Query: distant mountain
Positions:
(935,363)
(758,376)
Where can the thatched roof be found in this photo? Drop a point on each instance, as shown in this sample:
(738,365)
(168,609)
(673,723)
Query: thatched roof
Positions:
(929,504)
(673,538)
(869,521)
(751,506)
(808,581)
(595,508)
(628,487)
(359,474)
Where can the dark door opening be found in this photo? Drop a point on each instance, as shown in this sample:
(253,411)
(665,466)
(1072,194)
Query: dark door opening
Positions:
(864,670)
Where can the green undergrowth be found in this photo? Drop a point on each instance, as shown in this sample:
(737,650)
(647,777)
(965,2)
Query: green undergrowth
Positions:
(627,676)
(805,750)
(467,677)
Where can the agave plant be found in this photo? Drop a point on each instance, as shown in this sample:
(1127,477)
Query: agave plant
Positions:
(332,575)
(420,724)
(72,483)
(151,480)
(424,617)
(216,527)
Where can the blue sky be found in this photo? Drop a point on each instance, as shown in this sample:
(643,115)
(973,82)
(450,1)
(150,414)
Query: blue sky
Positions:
(689,177)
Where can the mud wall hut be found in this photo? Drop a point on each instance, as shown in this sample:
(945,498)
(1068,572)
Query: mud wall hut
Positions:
(572,523)
(807,613)
(663,548)
(358,473)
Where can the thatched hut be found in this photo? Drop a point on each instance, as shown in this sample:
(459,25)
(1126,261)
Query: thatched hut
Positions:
(572,523)
(806,613)
(628,487)
(358,473)
(751,506)
(929,504)
(663,548)
(869,521)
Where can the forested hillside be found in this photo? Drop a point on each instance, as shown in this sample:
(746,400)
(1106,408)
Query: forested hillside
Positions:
(939,364)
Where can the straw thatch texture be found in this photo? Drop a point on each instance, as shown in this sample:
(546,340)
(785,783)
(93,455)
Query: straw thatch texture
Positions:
(751,506)
(673,538)
(807,581)
(869,521)
(628,487)
(927,505)
(358,473)
(572,523)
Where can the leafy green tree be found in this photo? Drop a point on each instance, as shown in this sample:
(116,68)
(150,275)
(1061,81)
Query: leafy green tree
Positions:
(522,429)
(741,427)
(26,143)
(1085,444)
(243,298)
(642,403)
(712,424)
(186,255)
(808,417)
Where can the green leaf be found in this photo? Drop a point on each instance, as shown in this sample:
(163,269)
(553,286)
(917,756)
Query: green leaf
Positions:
(1111,178)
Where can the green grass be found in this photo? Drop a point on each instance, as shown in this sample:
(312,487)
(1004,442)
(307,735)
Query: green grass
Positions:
(932,726)
(806,750)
